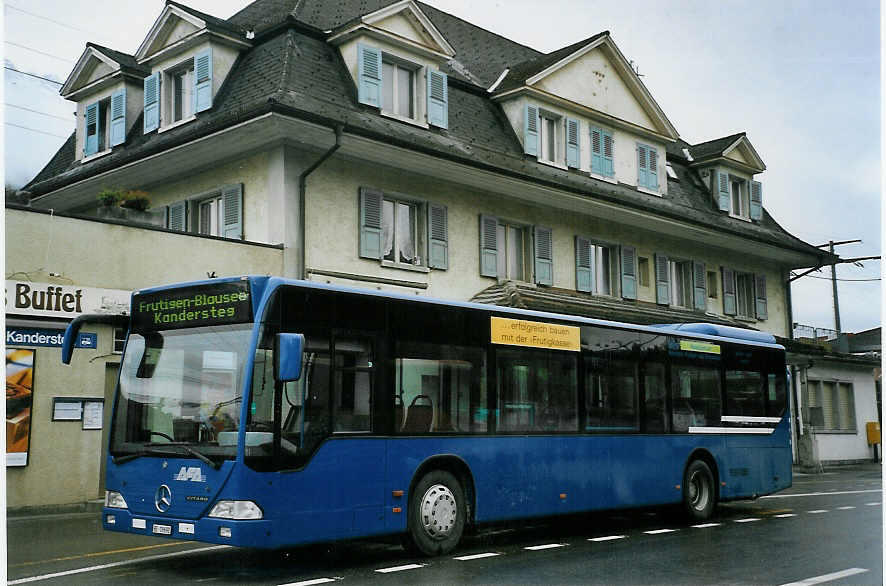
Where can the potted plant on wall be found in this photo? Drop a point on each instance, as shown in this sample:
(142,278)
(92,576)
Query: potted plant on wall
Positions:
(131,205)
(109,203)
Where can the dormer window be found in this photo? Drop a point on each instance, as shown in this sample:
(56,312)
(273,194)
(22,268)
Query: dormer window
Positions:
(181,87)
(177,94)
(548,137)
(739,195)
(398,89)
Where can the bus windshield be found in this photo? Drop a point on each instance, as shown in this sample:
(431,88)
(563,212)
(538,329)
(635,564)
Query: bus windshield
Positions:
(181,387)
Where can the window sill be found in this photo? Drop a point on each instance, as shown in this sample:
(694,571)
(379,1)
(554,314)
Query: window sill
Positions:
(412,121)
(649,191)
(742,218)
(404,267)
(177,124)
(94,156)
(746,319)
(553,164)
(605,178)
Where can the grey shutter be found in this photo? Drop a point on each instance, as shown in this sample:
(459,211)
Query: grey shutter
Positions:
(370,223)
(761,304)
(642,166)
(652,173)
(488,246)
(573,150)
(662,280)
(438,237)
(584,269)
(544,256)
(118,117)
(438,99)
(722,189)
(177,216)
(756,198)
(628,272)
(232,196)
(728,291)
(597,164)
(699,285)
(152,102)
(91,130)
(369,72)
(202,95)
(530,130)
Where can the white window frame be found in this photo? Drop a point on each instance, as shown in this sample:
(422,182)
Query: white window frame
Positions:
(613,270)
(502,251)
(685,266)
(750,289)
(744,198)
(167,94)
(415,69)
(115,339)
(214,200)
(557,122)
(418,229)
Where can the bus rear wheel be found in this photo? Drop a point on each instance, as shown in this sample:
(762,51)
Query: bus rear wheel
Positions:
(699,495)
(437,514)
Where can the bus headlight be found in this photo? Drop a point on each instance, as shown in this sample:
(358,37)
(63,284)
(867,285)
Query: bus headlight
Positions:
(236,510)
(115,500)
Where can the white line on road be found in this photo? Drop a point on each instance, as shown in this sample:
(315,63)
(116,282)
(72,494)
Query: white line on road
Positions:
(748,520)
(844,508)
(608,538)
(310,582)
(827,577)
(477,556)
(116,564)
(546,546)
(785,515)
(817,511)
(658,531)
(873,504)
(706,525)
(785,496)
(400,568)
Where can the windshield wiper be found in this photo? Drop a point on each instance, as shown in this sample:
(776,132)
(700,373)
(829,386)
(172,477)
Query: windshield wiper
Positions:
(159,449)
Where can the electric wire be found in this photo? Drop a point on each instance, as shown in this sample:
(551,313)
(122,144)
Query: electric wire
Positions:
(46,18)
(37,112)
(27,48)
(32,75)
(35,130)
(839,279)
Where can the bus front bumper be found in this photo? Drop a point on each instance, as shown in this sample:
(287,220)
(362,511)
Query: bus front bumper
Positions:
(252,533)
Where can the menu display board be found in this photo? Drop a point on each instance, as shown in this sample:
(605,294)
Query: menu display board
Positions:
(19,401)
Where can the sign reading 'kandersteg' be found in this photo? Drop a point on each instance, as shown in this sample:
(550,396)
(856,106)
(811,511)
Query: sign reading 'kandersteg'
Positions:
(192,307)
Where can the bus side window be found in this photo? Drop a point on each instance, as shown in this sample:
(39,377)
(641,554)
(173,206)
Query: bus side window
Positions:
(655,391)
(537,390)
(695,396)
(744,393)
(353,384)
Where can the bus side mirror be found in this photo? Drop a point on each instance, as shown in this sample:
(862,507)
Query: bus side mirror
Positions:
(288,349)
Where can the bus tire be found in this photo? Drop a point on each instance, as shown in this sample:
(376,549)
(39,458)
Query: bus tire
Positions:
(699,493)
(437,514)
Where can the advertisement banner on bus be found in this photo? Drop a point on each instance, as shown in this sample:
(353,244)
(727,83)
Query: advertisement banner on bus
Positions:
(532,334)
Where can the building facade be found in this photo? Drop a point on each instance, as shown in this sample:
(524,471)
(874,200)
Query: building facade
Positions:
(393,146)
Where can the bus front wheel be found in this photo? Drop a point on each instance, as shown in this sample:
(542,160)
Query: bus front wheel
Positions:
(699,495)
(437,514)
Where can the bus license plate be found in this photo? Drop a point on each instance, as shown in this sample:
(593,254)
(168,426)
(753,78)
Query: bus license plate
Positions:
(163,529)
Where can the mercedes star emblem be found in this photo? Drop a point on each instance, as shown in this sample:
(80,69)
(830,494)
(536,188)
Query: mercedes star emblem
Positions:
(163,498)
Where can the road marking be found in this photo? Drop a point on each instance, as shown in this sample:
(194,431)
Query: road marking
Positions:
(546,546)
(706,525)
(477,556)
(785,515)
(873,504)
(828,577)
(748,520)
(845,508)
(659,531)
(785,496)
(817,511)
(310,582)
(608,538)
(100,553)
(116,564)
(400,568)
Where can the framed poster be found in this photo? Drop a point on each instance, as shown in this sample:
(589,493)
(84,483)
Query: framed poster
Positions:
(93,413)
(19,402)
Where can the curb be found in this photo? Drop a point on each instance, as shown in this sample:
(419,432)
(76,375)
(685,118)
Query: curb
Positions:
(91,506)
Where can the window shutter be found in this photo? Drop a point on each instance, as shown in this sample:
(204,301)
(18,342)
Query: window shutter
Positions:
(760,288)
(202,94)
(723,190)
(232,196)
(369,75)
(118,117)
(489,246)
(699,285)
(438,237)
(642,166)
(91,130)
(152,102)
(573,150)
(584,269)
(608,167)
(177,216)
(628,272)
(728,291)
(756,200)
(597,151)
(370,223)
(662,280)
(438,99)
(652,172)
(530,130)
(544,256)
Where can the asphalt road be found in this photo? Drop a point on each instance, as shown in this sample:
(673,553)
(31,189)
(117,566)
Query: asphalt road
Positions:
(825,529)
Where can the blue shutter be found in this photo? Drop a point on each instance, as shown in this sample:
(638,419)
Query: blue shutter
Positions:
(438,237)
(756,200)
(728,291)
(202,81)
(370,223)
(544,256)
(761,304)
(662,280)
(584,268)
(597,165)
(573,150)
(91,130)
(489,246)
(608,167)
(722,189)
(118,117)
(177,216)
(699,285)
(530,130)
(369,75)
(438,99)
(628,272)
(232,196)
(152,102)
(652,170)
(642,166)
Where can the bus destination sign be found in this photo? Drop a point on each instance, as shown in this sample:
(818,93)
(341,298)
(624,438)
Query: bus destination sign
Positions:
(533,334)
(192,307)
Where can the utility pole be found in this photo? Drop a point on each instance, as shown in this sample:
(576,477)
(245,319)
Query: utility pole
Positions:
(834,286)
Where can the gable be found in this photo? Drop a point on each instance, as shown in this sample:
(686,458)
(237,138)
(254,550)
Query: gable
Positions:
(399,25)
(95,69)
(737,155)
(172,31)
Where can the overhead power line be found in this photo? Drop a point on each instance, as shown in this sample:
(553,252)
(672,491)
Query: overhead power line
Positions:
(857,280)
(27,48)
(46,18)
(66,119)
(32,75)
(35,130)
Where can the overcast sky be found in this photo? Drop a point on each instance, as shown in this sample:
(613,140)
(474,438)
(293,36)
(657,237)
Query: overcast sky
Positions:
(801,77)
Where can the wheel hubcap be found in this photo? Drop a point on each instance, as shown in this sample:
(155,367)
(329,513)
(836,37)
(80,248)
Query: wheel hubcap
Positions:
(438,511)
(699,492)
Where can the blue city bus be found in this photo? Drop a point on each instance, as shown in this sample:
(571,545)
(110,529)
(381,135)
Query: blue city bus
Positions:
(265,412)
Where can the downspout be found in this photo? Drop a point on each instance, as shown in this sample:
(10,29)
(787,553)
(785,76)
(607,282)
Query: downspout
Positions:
(302,190)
